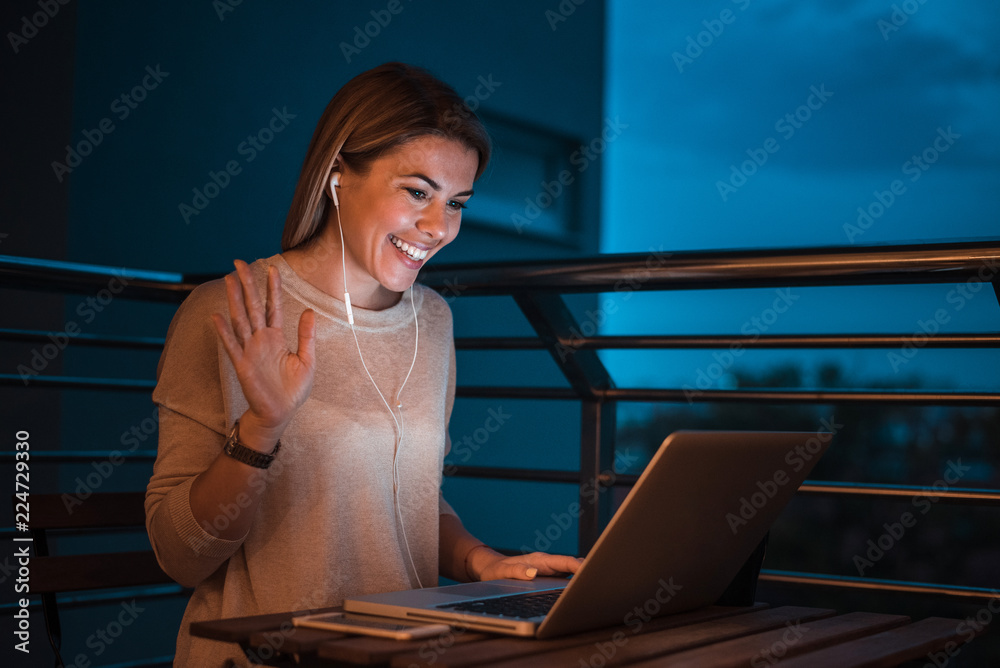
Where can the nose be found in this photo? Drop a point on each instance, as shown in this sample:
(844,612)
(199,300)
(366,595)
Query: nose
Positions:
(434,223)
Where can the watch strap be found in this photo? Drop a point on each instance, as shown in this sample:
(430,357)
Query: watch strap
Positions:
(249,456)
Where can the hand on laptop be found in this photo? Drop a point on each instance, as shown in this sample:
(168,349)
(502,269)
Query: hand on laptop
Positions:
(490,565)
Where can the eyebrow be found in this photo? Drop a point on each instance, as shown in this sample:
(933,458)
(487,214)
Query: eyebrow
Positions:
(434,184)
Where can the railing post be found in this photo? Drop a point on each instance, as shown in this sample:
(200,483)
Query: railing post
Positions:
(597,454)
(555,325)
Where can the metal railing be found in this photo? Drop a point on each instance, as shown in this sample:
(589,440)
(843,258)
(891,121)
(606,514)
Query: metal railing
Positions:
(537,287)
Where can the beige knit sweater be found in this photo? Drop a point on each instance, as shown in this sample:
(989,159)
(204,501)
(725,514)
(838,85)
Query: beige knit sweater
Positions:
(326,526)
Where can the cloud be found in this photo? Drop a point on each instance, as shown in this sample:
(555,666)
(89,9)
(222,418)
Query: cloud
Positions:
(745,70)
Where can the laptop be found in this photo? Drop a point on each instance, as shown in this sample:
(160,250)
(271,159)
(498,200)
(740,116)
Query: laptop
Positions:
(697,512)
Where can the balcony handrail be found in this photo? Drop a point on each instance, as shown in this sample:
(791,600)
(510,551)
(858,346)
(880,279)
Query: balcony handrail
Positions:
(79,277)
(689,270)
(654,270)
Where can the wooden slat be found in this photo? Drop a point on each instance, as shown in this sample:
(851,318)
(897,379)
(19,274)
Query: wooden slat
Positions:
(629,649)
(239,629)
(367,651)
(297,640)
(770,647)
(884,649)
(95,571)
(503,649)
(107,509)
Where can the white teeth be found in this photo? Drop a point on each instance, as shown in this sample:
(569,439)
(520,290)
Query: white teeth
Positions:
(412,251)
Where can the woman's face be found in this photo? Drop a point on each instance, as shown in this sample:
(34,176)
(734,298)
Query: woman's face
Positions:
(403,211)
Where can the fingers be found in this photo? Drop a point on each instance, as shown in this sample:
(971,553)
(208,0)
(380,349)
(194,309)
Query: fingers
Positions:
(250,297)
(273,297)
(510,569)
(558,563)
(547,564)
(307,338)
(527,566)
(245,310)
(237,310)
(229,341)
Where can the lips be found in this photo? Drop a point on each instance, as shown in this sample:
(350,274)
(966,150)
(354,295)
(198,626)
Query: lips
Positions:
(412,252)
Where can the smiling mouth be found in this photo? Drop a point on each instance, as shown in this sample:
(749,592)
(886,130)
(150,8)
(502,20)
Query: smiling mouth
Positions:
(411,252)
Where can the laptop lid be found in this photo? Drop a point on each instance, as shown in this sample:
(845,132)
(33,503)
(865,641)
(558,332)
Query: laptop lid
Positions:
(701,506)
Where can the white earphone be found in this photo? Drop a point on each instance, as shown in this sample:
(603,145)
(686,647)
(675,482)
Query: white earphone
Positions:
(334,184)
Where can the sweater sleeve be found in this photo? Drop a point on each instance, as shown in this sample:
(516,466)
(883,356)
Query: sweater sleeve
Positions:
(192,425)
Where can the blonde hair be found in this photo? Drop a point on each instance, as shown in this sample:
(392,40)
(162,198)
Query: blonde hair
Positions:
(373,113)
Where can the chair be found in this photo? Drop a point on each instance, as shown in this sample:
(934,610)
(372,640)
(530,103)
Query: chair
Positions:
(51,575)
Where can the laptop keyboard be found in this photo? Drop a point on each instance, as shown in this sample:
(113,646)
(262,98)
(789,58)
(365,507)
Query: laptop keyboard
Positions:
(523,606)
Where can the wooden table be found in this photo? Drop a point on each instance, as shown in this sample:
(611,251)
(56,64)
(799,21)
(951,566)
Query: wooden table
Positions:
(756,636)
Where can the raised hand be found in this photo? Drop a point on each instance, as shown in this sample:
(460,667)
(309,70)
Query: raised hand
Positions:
(275,380)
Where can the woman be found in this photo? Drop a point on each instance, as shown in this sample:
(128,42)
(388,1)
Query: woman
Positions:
(302,437)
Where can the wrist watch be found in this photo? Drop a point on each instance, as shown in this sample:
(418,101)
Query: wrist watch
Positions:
(242,453)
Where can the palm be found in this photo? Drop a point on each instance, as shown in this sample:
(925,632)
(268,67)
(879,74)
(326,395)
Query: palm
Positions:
(275,380)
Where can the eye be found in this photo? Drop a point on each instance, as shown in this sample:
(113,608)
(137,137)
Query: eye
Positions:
(417,194)
(455,204)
